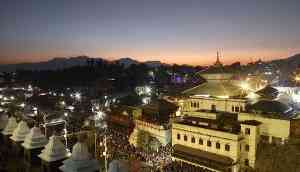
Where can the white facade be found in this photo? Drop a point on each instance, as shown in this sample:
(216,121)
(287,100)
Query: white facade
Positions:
(156,131)
(240,147)
(215,104)
(271,129)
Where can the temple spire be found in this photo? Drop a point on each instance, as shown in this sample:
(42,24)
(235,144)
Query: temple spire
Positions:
(218,62)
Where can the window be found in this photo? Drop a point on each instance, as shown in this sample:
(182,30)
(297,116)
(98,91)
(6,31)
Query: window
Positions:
(241,108)
(264,139)
(213,108)
(209,143)
(178,136)
(200,142)
(247,147)
(227,147)
(237,109)
(192,104)
(185,138)
(193,140)
(247,131)
(218,145)
(232,108)
(247,162)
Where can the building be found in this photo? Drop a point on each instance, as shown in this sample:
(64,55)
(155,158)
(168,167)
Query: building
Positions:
(218,127)
(217,94)
(206,143)
(154,120)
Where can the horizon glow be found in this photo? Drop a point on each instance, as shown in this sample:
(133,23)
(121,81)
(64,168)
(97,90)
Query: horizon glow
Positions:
(171,31)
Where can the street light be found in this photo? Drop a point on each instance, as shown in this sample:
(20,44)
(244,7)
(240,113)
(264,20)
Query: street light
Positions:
(245,86)
(148,90)
(77,96)
(22,105)
(63,103)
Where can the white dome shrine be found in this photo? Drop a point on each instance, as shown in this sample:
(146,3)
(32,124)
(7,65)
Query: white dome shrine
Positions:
(10,126)
(35,139)
(80,160)
(20,132)
(54,151)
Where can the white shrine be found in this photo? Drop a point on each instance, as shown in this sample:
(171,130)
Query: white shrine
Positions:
(54,151)
(10,127)
(80,160)
(35,139)
(20,132)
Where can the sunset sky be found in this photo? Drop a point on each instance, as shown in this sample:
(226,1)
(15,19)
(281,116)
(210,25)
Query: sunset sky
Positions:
(173,31)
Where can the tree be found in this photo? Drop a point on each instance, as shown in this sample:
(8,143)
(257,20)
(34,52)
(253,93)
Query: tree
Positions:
(278,158)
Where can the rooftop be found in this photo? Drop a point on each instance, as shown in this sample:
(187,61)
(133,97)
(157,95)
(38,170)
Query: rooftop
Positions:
(251,122)
(272,109)
(224,125)
(216,89)
(200,157)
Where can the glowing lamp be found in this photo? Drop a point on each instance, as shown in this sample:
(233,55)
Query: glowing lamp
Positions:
(245,86)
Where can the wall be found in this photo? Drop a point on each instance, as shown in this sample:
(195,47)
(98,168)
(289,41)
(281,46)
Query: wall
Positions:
(223,105)
(207,134)
(270,127)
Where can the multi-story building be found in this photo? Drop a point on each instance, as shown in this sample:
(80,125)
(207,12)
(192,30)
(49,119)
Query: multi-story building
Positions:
(219,128)
(205,143)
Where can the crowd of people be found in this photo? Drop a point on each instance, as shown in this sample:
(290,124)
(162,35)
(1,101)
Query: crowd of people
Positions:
(119,147)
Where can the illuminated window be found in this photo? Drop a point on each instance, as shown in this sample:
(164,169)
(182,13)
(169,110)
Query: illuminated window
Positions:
(193,140)
(178,136)
(218,145)
(247,147)
(209,143)
(237,109)
(227,147)
(247,162)
(247,131)
(213,108)
(200,142)
(185,138)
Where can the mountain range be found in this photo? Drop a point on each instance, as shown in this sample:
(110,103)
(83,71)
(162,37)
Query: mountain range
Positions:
(62,63)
